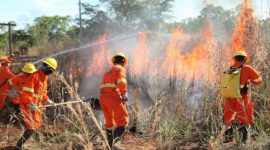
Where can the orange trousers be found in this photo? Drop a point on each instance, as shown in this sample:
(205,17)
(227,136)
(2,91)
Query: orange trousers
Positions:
(32,120)
(239,110)
(3,95)
(114,110)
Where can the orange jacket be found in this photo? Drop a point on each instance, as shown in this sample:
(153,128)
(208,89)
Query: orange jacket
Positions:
(22,84)
(248,74)
(114,81)
(34,91)
(37,89)
(242,110)
(5,74)
(41,86)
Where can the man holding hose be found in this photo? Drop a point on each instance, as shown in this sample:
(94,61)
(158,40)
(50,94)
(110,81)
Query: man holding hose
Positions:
(32,96)
(15,86)
(113,98)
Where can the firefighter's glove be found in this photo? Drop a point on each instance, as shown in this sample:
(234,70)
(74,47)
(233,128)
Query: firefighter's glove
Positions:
(32,107)
(124,97)
(12,93)
(48,102)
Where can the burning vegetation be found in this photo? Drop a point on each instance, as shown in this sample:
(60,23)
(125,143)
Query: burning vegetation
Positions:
(173,81)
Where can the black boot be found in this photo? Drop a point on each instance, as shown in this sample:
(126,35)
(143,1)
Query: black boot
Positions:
(36,136)
(243,133)
(118,132)
(228,135)
(26,135)
(109,137)
(17,108)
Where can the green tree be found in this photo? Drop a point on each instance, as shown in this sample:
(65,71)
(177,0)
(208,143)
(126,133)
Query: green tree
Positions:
(3,42)
(124,13)
(222,21)
(139,14)
(52,33)
(50,28)
(22,38)
(126,16)
(73,32)
(154,14)
(95,21)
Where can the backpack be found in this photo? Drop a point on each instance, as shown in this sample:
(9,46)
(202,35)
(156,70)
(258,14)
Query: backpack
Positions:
(230,83)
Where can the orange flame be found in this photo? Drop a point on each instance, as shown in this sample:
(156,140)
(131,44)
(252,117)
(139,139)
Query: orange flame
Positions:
(198,64)
(244,35)
(181,62)
(101,57)
(194,64)
(173,52)
(140,56)
(74,68)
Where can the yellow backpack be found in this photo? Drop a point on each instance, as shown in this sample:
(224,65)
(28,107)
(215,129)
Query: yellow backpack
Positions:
(230,83)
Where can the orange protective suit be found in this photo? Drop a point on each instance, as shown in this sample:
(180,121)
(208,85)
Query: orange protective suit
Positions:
(5,75)
(33,120)
(17,83)
(34,90)
(114,85)
(242,109)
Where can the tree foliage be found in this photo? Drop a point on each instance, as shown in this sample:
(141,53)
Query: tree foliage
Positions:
(22,38)
(95,21)
(50,28)
(119,16)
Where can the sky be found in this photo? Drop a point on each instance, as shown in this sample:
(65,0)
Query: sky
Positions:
(24,11)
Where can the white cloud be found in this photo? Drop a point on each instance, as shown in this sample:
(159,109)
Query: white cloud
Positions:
(44,3)
(30,9)
(47,4)
(54,7)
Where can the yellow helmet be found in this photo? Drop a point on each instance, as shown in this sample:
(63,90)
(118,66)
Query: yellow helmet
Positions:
(240,53)
(121,55)
(51,62)
(29,68)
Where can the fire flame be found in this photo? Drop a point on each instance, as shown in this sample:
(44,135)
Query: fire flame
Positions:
(244,34)
(74,68)
(183,57)
(101,57)
(141,54)
(196,62)
(173,55)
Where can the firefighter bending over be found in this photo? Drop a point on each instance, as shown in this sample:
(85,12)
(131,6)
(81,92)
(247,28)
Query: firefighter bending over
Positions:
(34,94)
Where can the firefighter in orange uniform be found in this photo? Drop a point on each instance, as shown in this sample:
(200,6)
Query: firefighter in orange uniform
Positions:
(5,75)
(241,110)
(34,95)
(113,98)
(16,85)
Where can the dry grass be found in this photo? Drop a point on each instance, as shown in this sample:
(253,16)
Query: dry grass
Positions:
(73,126)
(172,124)
(176,120)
